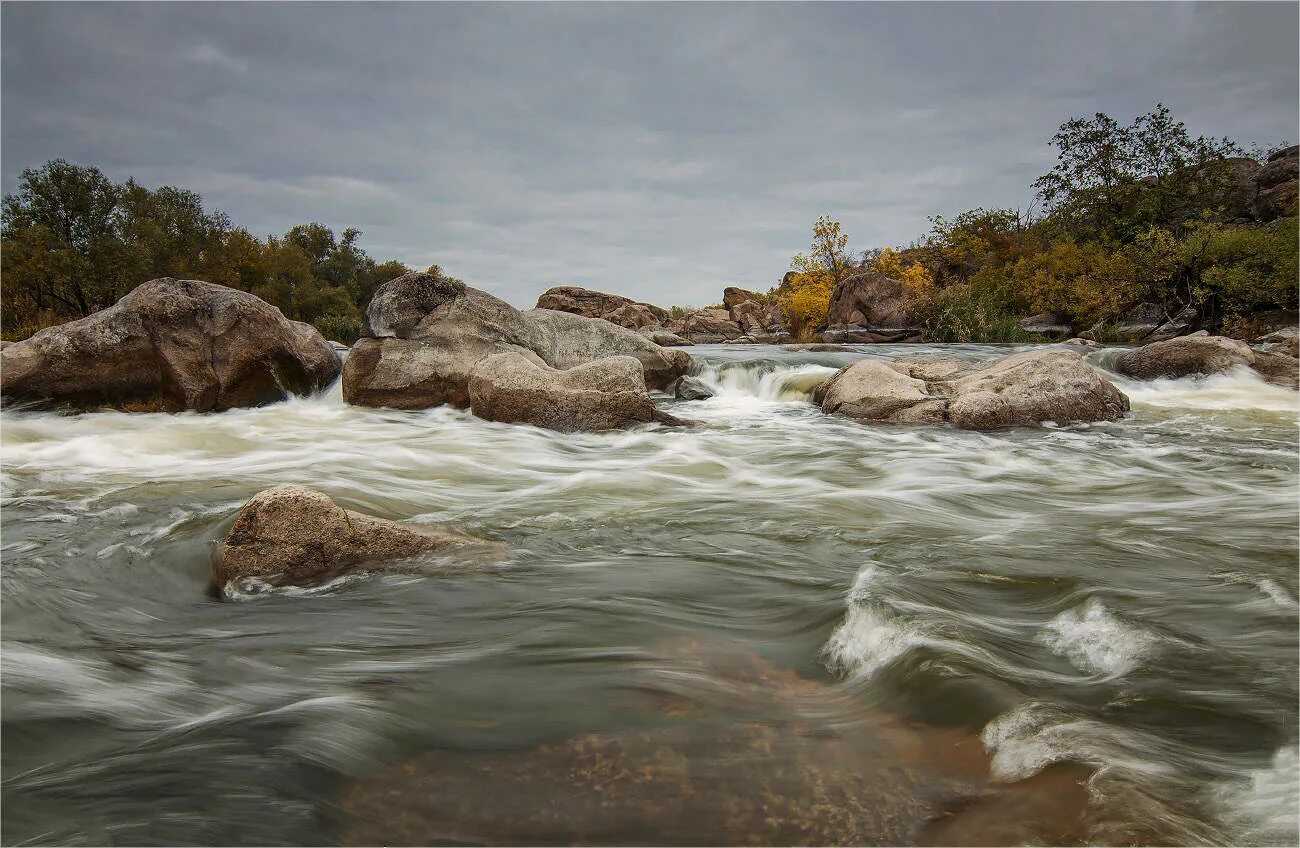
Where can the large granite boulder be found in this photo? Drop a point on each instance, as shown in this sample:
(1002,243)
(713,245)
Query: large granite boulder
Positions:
(170,345)
(299,537)
(869,299)
(424,335)
(605,394)
(1022,389)
(1199,354)
(614,308)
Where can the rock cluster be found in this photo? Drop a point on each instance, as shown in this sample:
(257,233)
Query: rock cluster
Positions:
(425,336)
(299,537)
(1204,354)
(1022,389)
(605,394)
(746,317)
(171,345)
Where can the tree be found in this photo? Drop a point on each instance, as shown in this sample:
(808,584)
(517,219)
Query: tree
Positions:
(1111,182)
(828,252)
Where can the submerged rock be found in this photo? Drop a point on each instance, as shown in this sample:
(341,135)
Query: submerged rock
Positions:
(606,394)
(1022,389)
(740,753)
(171,345)
(299,537)
(424,335)
(1203,354)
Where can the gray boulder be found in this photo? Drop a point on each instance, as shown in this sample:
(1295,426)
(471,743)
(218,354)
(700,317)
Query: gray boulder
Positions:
(1049,325)
(869,299)
(606,394)
(689,388)
(171,345)
(414,359)
(1022,389)
(1184,356)
(1204,354)
(299,537)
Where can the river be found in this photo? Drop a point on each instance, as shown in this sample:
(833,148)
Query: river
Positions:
(1117,598)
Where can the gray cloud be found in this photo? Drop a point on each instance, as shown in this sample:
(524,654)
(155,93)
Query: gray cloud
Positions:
(660,151)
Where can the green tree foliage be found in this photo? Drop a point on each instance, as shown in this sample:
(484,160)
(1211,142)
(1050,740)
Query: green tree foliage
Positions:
(75,242)
(1143,212)
(1112,182)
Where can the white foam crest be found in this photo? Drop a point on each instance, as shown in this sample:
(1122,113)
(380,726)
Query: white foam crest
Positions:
(1032,736)
(1094,640)
(764,381)
(1239,389)
(1264,807)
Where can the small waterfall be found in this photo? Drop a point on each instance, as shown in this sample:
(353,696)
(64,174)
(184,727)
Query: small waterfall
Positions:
(764,380)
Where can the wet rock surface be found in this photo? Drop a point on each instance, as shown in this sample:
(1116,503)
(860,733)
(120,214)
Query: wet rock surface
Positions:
(1204,354)
(606,394)
(300,537)
(1022,389)
(171,345)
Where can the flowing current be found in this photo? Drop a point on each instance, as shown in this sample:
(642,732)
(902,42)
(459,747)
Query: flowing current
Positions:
(1119,599)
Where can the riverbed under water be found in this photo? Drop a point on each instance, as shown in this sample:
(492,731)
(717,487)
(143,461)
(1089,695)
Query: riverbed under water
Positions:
(918,634)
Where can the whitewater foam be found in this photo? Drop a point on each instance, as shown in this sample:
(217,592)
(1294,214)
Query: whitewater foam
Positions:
(1094,640)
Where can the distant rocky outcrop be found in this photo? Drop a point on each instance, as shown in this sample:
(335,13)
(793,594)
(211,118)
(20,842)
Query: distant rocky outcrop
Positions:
(171,345)
(1204,354)
(867,307)
(424,336)
(746,317)
(299,537)
(1048,325)
(614,308)
(605,394)
(1273,187)
(1146,322)
(1022,389)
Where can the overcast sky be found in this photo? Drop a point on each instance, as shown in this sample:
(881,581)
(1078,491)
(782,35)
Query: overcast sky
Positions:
(659,151)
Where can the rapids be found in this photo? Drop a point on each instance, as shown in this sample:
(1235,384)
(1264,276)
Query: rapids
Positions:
(1121,596)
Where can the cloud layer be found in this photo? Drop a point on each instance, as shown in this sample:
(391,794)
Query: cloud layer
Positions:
(660,151)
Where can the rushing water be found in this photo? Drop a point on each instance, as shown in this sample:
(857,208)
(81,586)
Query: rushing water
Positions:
(1119,596)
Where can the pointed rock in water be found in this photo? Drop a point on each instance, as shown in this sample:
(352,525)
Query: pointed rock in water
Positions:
(425,334)
(1198,354)
(171,345)
(299,537)
(607,394)
(689,388)
(1022,389)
